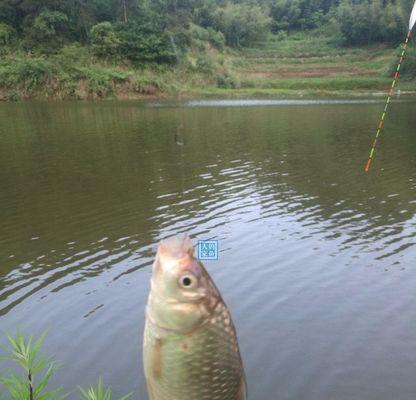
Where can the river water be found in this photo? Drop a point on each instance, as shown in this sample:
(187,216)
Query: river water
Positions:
(317,261)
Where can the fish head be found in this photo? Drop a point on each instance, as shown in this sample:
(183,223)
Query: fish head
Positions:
(182,295)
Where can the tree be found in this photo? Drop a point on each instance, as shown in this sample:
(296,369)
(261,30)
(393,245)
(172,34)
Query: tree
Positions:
(144,42)
(371,21)
(104,40)
(242,24)
(45,31)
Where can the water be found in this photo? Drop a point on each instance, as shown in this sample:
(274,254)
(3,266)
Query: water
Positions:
(317,259)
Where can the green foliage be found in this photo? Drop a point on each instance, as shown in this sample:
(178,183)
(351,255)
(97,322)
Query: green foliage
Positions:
(98,393)
(6,34)
(371,21)
(83,48)
(408,68)
(100,82)
(215,38)
(45,31)
(104,40)
(37,371)
(29,73)
(227,81)
(242,24)
(205,65)
(145,43)
(72,55)
(292,15)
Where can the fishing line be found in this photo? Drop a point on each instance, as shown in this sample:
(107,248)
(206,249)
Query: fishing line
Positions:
(386,107)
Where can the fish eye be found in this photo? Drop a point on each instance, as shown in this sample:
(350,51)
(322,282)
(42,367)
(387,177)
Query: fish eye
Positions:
(187,281)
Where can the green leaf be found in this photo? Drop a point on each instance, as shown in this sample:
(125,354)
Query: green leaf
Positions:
(26,353)
(98,392)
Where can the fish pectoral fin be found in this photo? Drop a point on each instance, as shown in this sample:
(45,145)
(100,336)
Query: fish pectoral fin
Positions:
(156,358)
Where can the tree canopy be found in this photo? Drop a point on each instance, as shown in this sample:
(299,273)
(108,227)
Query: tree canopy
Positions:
(156,30)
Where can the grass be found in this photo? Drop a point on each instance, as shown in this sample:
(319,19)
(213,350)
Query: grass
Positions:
(294,65)
(36,372)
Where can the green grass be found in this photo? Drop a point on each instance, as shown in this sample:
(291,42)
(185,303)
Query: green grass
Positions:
(295,65)
(329,84)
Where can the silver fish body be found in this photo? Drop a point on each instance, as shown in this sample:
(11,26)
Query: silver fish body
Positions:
(190,347)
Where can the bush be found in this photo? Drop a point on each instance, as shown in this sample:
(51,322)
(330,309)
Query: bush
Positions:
(242,24)
(30,74)
(72,55)
(286,14)
(6,34)
(281,36)
(216,38)
(100,81)
(144,42)
(198,32)
(408,68)
(370,21)
(205,65)
(46,31)
(226,81)
(180,39)
(104,40)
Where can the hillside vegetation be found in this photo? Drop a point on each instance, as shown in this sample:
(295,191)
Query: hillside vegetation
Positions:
(78,49)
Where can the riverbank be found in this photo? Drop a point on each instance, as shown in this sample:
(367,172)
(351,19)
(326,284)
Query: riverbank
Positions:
(295,66)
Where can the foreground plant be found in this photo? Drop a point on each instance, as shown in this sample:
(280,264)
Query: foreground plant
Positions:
(98,393)
(36,374)
(37,371)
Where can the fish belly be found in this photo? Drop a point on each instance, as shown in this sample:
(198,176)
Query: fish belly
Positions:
(203,365)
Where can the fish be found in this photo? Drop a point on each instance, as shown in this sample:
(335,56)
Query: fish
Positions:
(190,345)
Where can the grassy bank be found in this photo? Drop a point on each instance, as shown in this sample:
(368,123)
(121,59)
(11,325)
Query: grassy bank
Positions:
(298,65)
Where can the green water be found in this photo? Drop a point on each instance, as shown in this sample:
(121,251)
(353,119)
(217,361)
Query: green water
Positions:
(316,262)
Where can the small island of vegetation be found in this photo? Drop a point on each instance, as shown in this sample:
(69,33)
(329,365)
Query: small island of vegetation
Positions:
(78,49)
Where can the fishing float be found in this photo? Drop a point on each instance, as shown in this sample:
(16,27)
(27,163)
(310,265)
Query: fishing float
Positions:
(380,124)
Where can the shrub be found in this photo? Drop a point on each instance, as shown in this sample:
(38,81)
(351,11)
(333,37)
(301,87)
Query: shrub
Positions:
(281,36)
(45,32)
(205,65)
(104,40)
(242,24)
(6,34)
(408,68)
(101,81)
(30,74)
(370,21)
(144,42)
(216,38)
(227,81)
(198,32)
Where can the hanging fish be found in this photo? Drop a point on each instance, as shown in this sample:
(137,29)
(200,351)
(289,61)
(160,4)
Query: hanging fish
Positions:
(190,348)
